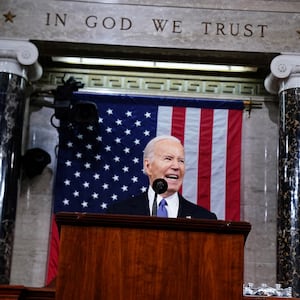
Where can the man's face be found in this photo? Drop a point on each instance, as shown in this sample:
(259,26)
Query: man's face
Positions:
(167,163)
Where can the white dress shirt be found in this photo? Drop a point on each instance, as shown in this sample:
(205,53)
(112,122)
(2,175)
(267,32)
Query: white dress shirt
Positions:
(172,201)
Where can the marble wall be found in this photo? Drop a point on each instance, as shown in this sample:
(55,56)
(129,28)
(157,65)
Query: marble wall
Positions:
(35,207)
(259,199)
(259,206)
(240,25)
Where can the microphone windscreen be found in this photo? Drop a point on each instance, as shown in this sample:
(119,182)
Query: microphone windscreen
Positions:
(159,185)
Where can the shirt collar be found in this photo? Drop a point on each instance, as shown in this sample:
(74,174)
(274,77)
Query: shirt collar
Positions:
(172,201)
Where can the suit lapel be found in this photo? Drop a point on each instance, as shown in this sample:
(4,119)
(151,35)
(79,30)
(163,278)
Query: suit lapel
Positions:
(182,207)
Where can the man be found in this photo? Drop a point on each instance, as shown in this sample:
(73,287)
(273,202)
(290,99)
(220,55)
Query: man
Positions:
(163,158)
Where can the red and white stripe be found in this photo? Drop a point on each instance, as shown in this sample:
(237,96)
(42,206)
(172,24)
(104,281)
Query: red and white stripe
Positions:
(212,141)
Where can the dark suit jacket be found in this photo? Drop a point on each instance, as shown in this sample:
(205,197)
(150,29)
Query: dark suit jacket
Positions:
(139,205)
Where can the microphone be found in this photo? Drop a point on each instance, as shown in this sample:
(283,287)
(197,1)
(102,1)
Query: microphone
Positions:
(159,186)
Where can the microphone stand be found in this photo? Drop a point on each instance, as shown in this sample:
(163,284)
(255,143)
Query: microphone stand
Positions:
(154,205)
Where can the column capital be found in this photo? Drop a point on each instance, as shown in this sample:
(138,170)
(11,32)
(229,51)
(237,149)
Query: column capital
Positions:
(20,58)
(285,73)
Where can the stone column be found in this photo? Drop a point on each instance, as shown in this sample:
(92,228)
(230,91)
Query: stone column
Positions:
(284,81)
(18,66)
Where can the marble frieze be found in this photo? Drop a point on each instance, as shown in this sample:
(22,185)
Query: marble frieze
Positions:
(169,25)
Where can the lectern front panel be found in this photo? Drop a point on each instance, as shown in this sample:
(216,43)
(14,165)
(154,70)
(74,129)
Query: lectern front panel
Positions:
(123,263)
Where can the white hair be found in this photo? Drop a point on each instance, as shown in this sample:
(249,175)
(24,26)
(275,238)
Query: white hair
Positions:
(149,149)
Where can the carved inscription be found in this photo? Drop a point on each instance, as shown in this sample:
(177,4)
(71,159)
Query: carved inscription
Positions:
(161,24)
(235,29)
(168,25)
(108,23)
(158,25)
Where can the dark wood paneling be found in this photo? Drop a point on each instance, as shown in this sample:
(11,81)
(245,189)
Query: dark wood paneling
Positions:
(122,257)
(17,292)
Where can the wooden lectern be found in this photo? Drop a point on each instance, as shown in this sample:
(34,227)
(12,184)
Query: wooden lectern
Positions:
(114,257)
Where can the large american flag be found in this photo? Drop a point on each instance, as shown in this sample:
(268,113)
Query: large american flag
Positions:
(102,163)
